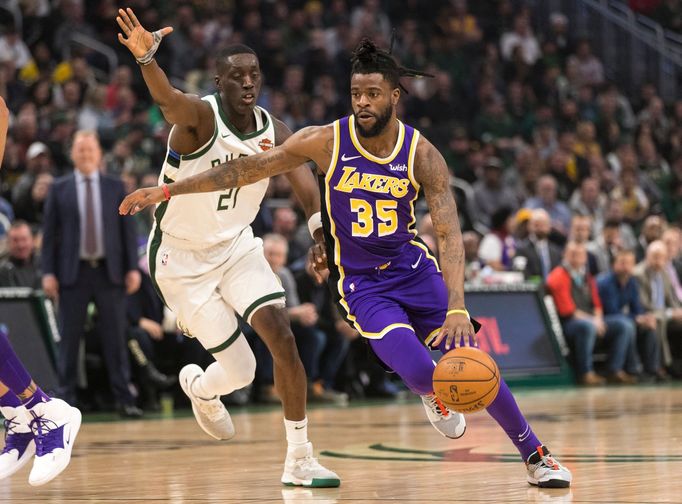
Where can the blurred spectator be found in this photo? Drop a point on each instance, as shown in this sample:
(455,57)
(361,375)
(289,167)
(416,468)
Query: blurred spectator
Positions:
(652,230)
(672,237)
(606,245)
(619,293)
(21,268)
(657,295)
(581,232)
(13,48)
(615,214)
(541,255)
(589,201)
(471,241)
(490,194)
(577,300)
(498,247)
(546,198)
(589,69)
(523,38)
(83,263)
(629,192)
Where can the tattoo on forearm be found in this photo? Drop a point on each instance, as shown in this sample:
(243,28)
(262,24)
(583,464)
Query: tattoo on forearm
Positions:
(236,173)
(443,209)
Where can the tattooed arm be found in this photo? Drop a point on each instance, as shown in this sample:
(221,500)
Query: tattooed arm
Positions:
(432,174)
(299,148)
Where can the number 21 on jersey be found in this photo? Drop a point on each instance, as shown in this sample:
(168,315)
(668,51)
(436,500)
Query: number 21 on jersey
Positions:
(385,214)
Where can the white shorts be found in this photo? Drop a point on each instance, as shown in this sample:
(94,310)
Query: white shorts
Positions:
(206,286)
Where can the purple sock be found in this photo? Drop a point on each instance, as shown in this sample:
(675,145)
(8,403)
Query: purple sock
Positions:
(507,414)
(12,373)
(9,399)
(401,350)
(38,397)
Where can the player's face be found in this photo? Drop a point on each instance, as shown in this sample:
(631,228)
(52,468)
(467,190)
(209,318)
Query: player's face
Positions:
(239,81)
(374,100)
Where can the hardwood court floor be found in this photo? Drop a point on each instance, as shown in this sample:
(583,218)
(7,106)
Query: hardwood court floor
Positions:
(624,445)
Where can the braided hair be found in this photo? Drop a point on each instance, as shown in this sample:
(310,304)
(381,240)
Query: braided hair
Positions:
(368,58)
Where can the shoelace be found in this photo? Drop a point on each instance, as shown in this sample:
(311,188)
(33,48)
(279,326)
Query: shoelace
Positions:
(548,461)
(212,408)
(47,434)
(308,463)
(437,406)
(15,440)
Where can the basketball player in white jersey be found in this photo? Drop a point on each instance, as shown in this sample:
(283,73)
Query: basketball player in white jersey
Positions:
(203,258)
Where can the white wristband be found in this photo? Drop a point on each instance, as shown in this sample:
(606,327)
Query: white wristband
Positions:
(314,223)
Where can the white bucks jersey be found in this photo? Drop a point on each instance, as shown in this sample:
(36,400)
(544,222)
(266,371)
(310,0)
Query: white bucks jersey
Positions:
(212,218)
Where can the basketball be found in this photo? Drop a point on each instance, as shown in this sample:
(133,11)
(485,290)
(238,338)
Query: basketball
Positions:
(466,379)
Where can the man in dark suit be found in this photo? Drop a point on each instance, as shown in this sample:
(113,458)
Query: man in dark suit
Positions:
(542,256)
(90,254)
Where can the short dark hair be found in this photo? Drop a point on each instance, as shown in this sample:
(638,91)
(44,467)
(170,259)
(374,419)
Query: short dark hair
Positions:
(231,50)
(611,223)
(368,58)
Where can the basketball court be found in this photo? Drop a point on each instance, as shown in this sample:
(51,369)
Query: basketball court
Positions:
(624,445)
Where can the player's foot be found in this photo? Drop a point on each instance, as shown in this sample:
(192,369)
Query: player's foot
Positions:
(55,426)
(19,446)
(211,414)
(449,423)
(544,470)
(302,469)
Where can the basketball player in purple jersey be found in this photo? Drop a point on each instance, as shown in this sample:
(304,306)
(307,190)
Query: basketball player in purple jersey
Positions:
(35,424)
(388,284)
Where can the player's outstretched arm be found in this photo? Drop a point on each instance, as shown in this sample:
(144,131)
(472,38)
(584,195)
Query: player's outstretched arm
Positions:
(299,148)
(432,174)
(176,106)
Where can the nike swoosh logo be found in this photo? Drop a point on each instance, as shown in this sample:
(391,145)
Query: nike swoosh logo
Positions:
(417,263)
(225,136)
(299,428)
(348,158)
(66,442)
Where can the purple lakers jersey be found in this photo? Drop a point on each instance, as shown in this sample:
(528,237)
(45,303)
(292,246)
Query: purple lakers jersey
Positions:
(369,200)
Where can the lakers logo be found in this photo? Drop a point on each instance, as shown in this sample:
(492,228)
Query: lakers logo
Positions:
(382,184)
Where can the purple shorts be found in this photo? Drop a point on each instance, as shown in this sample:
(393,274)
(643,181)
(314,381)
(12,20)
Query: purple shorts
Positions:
(409,292)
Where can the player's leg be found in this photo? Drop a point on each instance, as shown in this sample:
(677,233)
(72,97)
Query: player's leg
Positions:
(250,286)
(427,308)
(31,415)
(188,282)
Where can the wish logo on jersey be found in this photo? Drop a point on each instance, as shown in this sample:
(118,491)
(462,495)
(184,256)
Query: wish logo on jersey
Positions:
(382,184)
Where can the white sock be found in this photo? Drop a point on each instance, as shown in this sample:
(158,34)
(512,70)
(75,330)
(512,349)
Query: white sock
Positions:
(235,368)
(213,383)
(297,432)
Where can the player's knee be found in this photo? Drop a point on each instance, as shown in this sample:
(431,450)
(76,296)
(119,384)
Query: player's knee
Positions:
(245,373)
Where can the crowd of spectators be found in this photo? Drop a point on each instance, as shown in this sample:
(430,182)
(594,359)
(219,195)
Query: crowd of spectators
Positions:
(559,175)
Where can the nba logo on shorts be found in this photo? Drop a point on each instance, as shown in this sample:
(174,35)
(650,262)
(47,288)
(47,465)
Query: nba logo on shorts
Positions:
(164,258)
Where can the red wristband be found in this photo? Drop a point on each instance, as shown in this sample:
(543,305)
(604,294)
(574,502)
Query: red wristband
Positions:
(166,191)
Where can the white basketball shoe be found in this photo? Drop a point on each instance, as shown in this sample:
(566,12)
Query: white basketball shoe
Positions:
(55,426)
(211,414)
(449,423)
(302,469)
(544,470)
(19,446)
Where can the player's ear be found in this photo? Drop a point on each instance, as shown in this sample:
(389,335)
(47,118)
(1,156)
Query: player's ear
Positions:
(217,82)
(395,96)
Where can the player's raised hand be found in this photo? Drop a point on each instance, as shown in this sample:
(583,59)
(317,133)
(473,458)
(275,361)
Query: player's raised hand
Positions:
(457,328)
(141,199)
(139,41)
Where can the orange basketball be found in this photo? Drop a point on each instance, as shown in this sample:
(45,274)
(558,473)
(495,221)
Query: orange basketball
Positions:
(466,379)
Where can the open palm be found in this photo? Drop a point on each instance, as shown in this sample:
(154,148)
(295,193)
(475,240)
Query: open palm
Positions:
(138,40)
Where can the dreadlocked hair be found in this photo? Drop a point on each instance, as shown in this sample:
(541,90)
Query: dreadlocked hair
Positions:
(368,58)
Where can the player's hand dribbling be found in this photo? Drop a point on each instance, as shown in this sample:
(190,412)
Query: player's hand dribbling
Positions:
(456,328)
(138,40)
(141,199)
